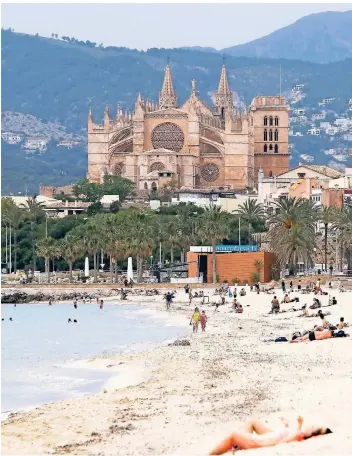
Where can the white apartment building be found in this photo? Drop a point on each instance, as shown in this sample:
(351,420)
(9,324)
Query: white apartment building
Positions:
(319,116)
(68,144)
(332,130)
(324,125)
(314,131)
(299,112)
(36,144)
(11,138)
(343,123)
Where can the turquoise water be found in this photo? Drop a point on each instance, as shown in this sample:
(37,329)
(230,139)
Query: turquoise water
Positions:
(39,341)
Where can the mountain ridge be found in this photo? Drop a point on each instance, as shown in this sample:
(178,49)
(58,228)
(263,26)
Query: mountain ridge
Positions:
(321,38)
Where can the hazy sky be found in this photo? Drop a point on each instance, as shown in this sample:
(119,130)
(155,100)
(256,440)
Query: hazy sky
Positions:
(143,26)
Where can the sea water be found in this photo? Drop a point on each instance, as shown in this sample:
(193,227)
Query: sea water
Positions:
(39,341)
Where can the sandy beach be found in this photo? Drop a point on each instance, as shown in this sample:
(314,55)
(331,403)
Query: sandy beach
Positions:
(184,399)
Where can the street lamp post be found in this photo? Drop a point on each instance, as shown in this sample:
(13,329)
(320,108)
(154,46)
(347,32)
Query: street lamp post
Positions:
(10,262)
(7,259)
(33,249)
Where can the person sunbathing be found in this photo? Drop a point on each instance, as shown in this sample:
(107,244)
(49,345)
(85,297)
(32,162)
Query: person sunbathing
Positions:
(342,324)
(315,335)
(257,434)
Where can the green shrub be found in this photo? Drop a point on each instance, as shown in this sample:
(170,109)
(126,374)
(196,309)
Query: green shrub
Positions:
(255,276)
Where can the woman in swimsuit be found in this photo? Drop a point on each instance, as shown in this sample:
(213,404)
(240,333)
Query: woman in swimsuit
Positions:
(257,434)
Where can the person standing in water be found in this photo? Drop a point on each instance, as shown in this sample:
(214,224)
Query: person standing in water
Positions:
(101,304)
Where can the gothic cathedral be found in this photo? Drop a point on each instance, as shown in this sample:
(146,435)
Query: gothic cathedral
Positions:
(194,145)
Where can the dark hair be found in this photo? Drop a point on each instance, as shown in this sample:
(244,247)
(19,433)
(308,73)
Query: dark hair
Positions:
(342,319)
(274,297)
(319,431)
(321,315)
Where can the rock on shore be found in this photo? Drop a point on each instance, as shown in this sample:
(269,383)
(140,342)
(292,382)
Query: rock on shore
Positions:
(17,296)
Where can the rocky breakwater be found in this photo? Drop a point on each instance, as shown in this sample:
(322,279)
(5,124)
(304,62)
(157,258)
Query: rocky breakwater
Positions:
(21,296)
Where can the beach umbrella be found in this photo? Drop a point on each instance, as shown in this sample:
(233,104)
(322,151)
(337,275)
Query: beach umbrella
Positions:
(129,269)
(86,267)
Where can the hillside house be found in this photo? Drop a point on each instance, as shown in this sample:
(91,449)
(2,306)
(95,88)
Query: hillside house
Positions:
(36,144)
(68,144)
(324,125)
(332,130)
(319,116)
(314,131)
(11,138)
(328,100)
(343,123)
(299,112)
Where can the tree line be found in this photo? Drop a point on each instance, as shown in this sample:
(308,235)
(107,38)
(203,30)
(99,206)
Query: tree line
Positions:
(290,232)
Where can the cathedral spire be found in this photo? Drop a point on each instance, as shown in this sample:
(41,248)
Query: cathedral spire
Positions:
(223,83)
(223,97)
(167,95)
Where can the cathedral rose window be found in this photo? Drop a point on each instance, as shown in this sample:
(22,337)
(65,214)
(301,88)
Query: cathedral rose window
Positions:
(210,172)
(168,136)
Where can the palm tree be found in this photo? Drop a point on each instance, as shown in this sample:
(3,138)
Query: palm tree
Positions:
(343,223)
(291,232)
(33,208)
(212,226)
(287,231)
(46,248)
(70,249)
(327,215)
(112,229)
(12,215)
(251,212)
(140,236)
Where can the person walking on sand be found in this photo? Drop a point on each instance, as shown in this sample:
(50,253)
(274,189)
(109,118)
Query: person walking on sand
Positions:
(203,321)
(190,297)
(195,319)
(283,286)
(299,287)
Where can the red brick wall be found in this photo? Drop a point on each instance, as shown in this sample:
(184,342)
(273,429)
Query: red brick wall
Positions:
(192,260)
(235,265)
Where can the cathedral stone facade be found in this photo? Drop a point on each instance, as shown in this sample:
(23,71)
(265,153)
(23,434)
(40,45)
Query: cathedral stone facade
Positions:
(194,145)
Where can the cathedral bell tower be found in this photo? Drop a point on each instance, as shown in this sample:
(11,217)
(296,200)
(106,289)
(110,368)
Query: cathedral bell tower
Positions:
(223,97)
(167,95)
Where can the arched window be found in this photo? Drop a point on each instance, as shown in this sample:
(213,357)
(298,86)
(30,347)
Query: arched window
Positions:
(271,147)
(145,186)
(271,120)
(266,120)
(270,135)
(154,187)
(265,134)
(276,121)
(270,174)
(276,149)
(265,148)
(276,135)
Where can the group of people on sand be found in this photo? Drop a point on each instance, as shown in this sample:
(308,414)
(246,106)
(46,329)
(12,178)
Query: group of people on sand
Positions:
(198,317)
